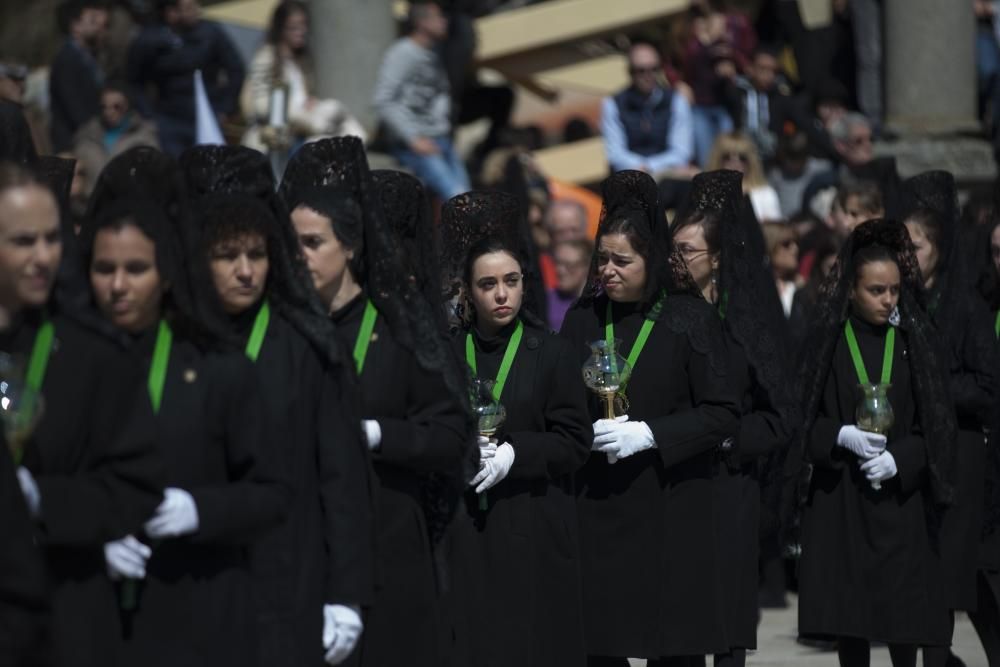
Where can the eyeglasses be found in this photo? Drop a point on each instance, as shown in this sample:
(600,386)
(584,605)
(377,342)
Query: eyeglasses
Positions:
(742,157)
(690,252)
(643,70)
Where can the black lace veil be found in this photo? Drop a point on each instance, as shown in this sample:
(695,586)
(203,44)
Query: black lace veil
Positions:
(472,217)
(407,210)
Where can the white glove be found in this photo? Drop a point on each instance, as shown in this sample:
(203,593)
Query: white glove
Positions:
(341,628)
(126,558)
(863,444)
(29,489)
(487,447)
(177,515)
(621,438)
(879,469)
(373,433)
(492,470)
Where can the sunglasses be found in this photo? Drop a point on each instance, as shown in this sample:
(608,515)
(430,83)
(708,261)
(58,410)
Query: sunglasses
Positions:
(644,70)
(742,157)
(114,107)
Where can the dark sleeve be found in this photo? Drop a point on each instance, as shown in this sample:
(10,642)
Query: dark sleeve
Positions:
(911,459)
(975,384)
(822,439)
(346,495)
(715,409)
(762,430)
(23,593)
(231,63)
(432,437)
(255,496)
(73,91)
(564,444)
(121,482)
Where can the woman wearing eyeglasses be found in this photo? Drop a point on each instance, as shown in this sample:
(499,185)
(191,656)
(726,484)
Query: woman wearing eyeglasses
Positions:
(712,235)
(736,151)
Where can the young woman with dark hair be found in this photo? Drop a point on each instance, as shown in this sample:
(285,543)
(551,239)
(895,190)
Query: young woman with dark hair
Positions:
(870,569)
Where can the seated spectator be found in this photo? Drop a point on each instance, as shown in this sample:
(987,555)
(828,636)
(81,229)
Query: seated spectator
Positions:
(115,131)
(764,102)
(736,151)
(13,88)
(647,126)
(164,58)
(782,246)
(76,75)
(566,220)
(12,78)
(851,135)
(572,260)
(792,172)
(285,61)
(821,262)
(855,203)
(717,50)
(413,101)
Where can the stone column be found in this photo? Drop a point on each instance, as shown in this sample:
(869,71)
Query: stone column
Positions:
(348,39)
(930,69)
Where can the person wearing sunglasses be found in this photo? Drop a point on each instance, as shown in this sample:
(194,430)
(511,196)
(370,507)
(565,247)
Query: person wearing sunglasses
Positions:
(114,131)
(736,151)
(647,126)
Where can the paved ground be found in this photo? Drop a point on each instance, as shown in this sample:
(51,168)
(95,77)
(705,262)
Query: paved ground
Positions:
(777,645)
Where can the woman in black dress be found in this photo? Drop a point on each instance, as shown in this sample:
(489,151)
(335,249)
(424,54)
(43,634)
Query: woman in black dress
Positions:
(89,469)
(413,395)
(516,563)
(315,570)
(184,572)
(929,209)
(870,569)
(652,581)
(712,233)
(986,617)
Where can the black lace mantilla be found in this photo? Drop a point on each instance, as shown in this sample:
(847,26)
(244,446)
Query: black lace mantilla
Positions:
(468,219)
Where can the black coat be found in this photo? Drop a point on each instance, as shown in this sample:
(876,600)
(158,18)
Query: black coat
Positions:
(212,432)
(869,567)
(974,373)
(24,597)
(423,430)
(74,94)
(651,571)
(166,61)
(738,493)
(517,565)
(94,458)
(323,552)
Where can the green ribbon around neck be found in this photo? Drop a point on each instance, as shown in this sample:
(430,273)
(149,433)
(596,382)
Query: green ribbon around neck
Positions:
(41,350)
(505,364)
(364,338)
(158,369)
(640,340)
(859,364)
(259,331)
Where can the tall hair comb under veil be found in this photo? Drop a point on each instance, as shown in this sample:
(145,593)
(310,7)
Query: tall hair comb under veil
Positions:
(407,210)
(634,195)
(930,380)
(468,219)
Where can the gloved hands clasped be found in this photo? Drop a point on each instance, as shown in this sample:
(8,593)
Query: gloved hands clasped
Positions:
(126,558)
(619,438)
(877,463)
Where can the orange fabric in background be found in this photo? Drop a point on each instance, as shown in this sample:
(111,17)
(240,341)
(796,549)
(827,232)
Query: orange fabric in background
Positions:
(590,201)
